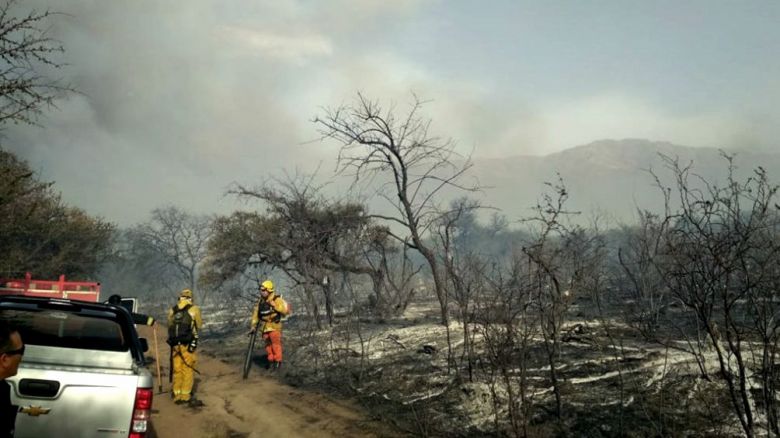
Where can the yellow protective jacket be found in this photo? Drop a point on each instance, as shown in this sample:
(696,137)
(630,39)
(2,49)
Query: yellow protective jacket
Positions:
(269,312)
(194,312)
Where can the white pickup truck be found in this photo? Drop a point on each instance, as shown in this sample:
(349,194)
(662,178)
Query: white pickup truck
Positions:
(83,373)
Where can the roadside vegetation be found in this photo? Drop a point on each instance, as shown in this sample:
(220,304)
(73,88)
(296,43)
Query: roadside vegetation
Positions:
(444,317)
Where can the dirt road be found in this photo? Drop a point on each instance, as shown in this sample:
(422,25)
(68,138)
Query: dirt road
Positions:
(258,406)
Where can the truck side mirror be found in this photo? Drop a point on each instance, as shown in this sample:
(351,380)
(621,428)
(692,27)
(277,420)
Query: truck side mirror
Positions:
(144,345)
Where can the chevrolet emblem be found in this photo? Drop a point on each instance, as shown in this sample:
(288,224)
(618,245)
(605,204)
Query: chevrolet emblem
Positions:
(34,411)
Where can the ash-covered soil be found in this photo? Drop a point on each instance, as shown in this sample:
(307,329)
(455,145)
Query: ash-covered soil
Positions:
(259,406)
(409,376)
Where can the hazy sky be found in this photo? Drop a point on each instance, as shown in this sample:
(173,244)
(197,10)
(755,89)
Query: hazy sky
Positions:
(181,98)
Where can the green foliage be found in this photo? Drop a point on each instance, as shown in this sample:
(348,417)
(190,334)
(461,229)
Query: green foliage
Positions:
(40,234)
(298,237)
(236,239)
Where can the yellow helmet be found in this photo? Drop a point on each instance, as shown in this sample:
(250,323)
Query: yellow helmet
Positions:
(267,285)
(186,293)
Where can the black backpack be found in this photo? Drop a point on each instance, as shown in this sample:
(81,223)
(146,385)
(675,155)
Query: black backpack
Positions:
(180,331)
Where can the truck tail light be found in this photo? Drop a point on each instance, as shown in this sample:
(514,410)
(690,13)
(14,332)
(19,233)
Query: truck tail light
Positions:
(142,411)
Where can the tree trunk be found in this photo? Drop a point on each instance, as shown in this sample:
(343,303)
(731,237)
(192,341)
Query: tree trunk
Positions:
(439,286)
(328,292)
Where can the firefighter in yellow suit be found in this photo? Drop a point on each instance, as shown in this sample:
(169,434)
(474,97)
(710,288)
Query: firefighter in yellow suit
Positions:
(268,314)
(184,324)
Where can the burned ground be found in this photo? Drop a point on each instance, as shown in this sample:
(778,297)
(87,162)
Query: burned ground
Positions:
(397,370)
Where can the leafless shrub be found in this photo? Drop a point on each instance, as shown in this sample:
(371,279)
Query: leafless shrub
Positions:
(27,51)
(508,325)
(717,254)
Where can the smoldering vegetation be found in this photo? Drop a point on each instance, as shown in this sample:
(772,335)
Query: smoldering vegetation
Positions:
(439,322)
(445,324)
(667,327)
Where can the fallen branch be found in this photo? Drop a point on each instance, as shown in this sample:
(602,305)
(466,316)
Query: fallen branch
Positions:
(395,340)
(424,397)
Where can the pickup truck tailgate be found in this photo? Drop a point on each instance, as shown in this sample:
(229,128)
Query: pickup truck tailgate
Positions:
(81,372)
(76,404)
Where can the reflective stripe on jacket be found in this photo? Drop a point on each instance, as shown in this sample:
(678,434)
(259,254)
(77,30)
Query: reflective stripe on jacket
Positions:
(271,314)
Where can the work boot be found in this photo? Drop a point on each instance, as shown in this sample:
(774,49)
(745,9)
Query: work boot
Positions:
(195,403)
(277,366)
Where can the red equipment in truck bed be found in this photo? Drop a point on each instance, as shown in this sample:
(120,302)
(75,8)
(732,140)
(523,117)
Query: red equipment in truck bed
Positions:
(73,290)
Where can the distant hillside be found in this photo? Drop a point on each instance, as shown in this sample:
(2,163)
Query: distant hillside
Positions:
(607,176)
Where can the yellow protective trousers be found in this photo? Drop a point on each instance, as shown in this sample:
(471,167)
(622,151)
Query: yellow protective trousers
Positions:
(184,364)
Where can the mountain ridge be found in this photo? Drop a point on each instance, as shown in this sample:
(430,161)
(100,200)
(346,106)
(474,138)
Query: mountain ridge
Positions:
(609,176)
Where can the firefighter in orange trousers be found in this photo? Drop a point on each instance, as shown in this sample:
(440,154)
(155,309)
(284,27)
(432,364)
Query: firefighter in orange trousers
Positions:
(184,323)
(268,314)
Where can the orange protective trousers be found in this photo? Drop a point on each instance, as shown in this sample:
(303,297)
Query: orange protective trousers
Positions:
(273,345)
